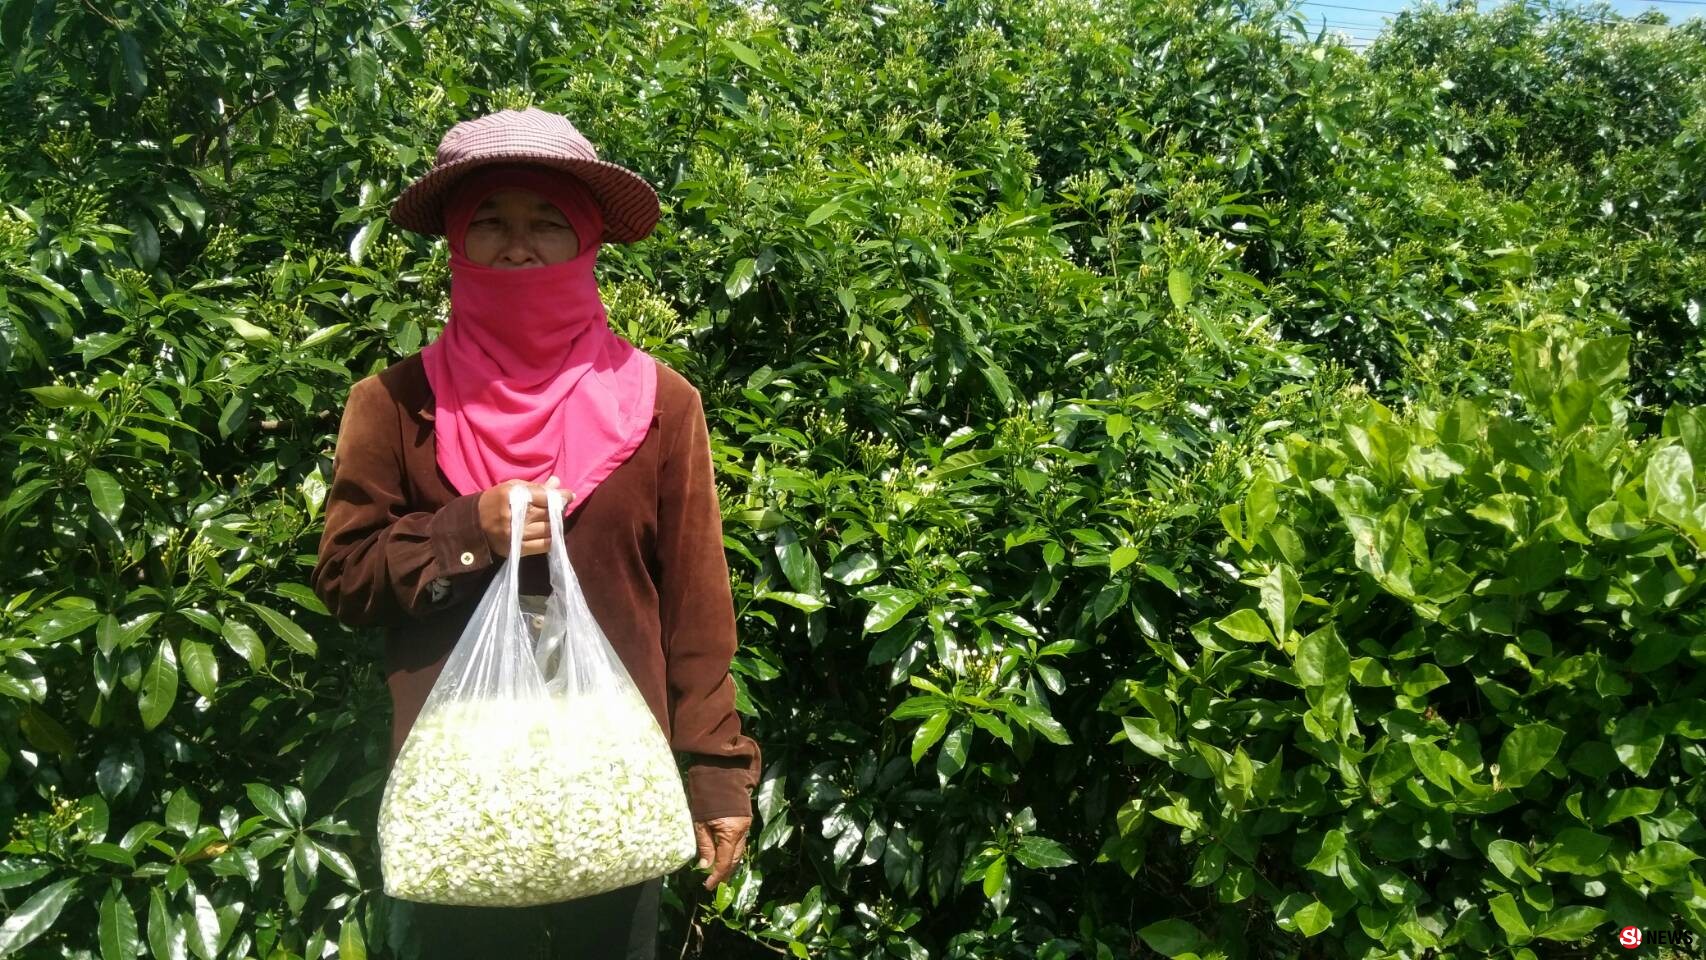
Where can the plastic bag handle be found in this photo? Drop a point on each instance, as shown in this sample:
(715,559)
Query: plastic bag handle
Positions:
(519,500)
(553,644)
(560,568)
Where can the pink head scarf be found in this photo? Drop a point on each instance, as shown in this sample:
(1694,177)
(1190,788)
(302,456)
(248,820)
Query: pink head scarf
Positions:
(528,378)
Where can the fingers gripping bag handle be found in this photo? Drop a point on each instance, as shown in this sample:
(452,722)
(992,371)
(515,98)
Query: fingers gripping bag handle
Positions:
(454,806)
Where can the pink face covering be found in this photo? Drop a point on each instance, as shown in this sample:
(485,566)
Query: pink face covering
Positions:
(528,378)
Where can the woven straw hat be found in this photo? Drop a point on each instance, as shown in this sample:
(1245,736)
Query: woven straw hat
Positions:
(533,136)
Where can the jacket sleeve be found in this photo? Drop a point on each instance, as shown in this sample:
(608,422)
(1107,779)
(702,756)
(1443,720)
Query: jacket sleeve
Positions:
(382,563)
(696,611)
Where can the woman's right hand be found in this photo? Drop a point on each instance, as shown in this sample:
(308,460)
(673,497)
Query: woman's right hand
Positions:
(494,518)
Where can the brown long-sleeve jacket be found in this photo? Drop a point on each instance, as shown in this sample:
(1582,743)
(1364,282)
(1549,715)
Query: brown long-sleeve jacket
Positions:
(402,550)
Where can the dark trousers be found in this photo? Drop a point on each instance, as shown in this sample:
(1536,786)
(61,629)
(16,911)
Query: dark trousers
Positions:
(618,925)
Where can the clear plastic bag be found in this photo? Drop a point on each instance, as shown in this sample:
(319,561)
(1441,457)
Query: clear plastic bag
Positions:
(535,773)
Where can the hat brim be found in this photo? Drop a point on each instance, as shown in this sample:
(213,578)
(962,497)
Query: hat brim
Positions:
(629,203)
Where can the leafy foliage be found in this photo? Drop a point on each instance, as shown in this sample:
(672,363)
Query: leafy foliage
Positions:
(1456,710)
(1145,540)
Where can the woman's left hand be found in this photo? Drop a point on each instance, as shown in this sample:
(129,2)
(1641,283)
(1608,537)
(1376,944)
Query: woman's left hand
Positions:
(722,844)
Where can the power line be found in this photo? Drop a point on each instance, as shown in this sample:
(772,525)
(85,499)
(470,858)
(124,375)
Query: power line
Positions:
(1335,17)
(1347,23)
(1340,6)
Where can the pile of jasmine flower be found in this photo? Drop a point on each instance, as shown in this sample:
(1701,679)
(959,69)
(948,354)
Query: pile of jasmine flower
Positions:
(521,802)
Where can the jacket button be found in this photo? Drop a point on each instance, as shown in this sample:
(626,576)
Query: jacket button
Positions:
(467,558)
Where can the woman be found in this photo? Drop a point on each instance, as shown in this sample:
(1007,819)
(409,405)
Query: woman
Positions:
(528,384)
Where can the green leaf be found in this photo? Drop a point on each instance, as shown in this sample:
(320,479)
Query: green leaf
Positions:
(166,939)
(285,629)
(245,642)
(799,601)
(798,564)
(1533,368)
(962,462)
(202,927)
(951,759)
(159,688)
(322,335)
(1174,937)
(119,937)
(1577,851)
(135,69)
(928,733)
(46,733)
(251,333)
(995,726)
(1040,853)
(1509,917)
(1670,486)
(823,212)
(201,667)
(1322,660)
(1429,760)
(14,19)
(269,803)
(303,596)
(101,289)
(1145,734)
(1121,558)
(745,53)
(1179,288)
(1246,625)
(363,240)
(36,916)
(1637,743)
(1526,750)
(740,277)
(61,397)
(854,568)
(188,204)
(1017,624)
(233,415)
(351,945)
(1604,361)
(1570,923)
(1163,576)
(144,241)
(1628,802)
(994,877)
(183,813)
(1511,858)
(1118,425)
(111,853)
(1313,919)
(891,605)
(1662,862)
(18,872)
(1280,597)
(1039,720)
(1612,520)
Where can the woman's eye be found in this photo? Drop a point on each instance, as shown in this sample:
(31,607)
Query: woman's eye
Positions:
(550,225)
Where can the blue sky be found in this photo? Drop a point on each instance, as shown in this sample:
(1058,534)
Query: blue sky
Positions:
(1361,20)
